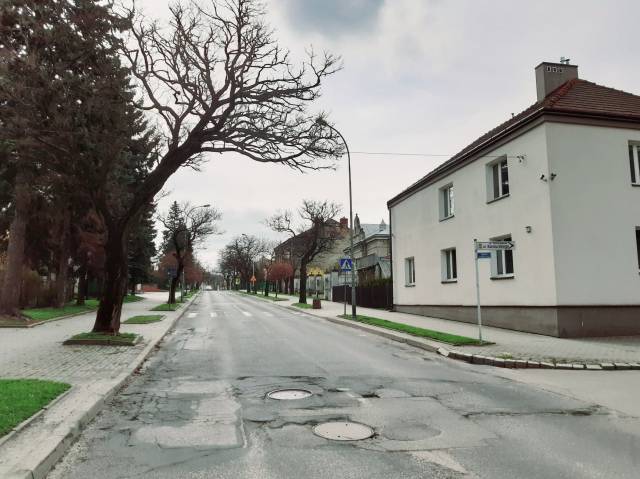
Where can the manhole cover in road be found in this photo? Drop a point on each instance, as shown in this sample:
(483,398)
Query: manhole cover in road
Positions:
(289,394)
(343,431)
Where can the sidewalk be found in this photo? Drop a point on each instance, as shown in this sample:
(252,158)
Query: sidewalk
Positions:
(520,345)
(95,373)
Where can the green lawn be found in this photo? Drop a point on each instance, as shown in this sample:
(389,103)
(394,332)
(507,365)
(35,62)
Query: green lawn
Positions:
(132,298)
(166,307)
(151,318)
(22,398)
(45,314)
(302,305)
(107,339)
(452,339)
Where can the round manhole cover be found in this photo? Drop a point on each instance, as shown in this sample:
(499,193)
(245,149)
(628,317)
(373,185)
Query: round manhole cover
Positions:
(289,394)
(343,431)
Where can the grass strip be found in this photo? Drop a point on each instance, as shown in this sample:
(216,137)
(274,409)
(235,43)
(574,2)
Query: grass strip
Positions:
(145,319)
(452,339)
(166,307)
(22,398)
(302,305)
(120,339)
(262,296)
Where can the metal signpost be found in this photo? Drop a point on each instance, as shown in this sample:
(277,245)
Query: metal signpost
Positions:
(346,265)
(482,250)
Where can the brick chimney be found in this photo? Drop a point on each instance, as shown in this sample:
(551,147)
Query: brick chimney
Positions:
(550,76)
(344,223)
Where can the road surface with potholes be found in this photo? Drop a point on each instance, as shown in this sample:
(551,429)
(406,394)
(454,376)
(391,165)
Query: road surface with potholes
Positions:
(200,409)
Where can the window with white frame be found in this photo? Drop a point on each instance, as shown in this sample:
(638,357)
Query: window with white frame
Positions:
(449,265)
(446,202)
(502,260)
(634,163)
(638,244)
(498,179)
(409,271)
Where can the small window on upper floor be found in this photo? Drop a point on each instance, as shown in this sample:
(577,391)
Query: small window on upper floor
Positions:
(498,179)
(446,202)
(634,163)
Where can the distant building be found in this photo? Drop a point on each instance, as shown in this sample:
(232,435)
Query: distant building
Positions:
(370,250)
(290,251)
(562,180)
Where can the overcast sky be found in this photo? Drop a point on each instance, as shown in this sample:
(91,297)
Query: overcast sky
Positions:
(420,76)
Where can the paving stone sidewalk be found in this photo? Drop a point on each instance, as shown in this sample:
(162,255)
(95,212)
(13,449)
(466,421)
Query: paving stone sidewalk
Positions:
(519,345)
(95,372)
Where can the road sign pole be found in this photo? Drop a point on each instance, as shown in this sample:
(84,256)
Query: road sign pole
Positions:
(344,280)
(475,259)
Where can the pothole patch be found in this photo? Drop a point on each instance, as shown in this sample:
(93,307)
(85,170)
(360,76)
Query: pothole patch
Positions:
(289,394)
(343,431)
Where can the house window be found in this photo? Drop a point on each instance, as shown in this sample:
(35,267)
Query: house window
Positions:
(498,179)
(638,244)
(502,260)
(409,271)
(634,163)
(446,202)
(449,265)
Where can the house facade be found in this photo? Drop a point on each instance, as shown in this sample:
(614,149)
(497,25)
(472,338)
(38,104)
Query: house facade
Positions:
(371,251)
(561,180)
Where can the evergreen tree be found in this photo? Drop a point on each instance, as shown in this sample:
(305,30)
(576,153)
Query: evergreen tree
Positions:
(142,250)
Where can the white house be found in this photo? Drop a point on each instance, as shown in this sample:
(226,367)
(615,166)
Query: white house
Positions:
(562,180)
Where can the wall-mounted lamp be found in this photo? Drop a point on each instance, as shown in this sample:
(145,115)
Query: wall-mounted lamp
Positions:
(528,229)
(543,178)
(552,176)
(521,158)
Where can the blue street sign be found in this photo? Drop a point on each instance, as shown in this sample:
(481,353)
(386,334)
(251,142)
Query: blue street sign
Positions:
(483,255)
(346,264)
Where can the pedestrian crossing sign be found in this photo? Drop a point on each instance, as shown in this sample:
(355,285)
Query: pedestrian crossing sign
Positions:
(346,264)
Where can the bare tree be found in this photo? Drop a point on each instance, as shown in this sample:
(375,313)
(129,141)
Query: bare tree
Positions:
(240,255)
(216,81)
(316,234)
(184,233)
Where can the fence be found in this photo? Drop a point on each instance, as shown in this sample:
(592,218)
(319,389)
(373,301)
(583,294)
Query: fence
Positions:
(375,296)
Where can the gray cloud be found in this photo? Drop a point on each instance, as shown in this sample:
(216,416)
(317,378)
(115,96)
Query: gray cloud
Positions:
(331,17)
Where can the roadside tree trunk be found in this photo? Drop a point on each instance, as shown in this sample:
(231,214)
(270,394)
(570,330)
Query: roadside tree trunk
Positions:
(303,282)
(173,286)
(62,275)
(115,284)
(12,284)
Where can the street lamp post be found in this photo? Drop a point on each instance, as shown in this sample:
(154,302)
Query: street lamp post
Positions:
(182,280)
(322,122)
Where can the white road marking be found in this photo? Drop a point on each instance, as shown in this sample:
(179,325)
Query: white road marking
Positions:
(192,315)
(246,313)
(213,315)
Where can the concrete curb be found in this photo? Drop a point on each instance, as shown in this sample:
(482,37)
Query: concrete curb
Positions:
(437,347)
(57,449)
(7,437)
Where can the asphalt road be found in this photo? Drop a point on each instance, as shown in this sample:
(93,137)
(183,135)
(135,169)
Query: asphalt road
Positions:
(199,410)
